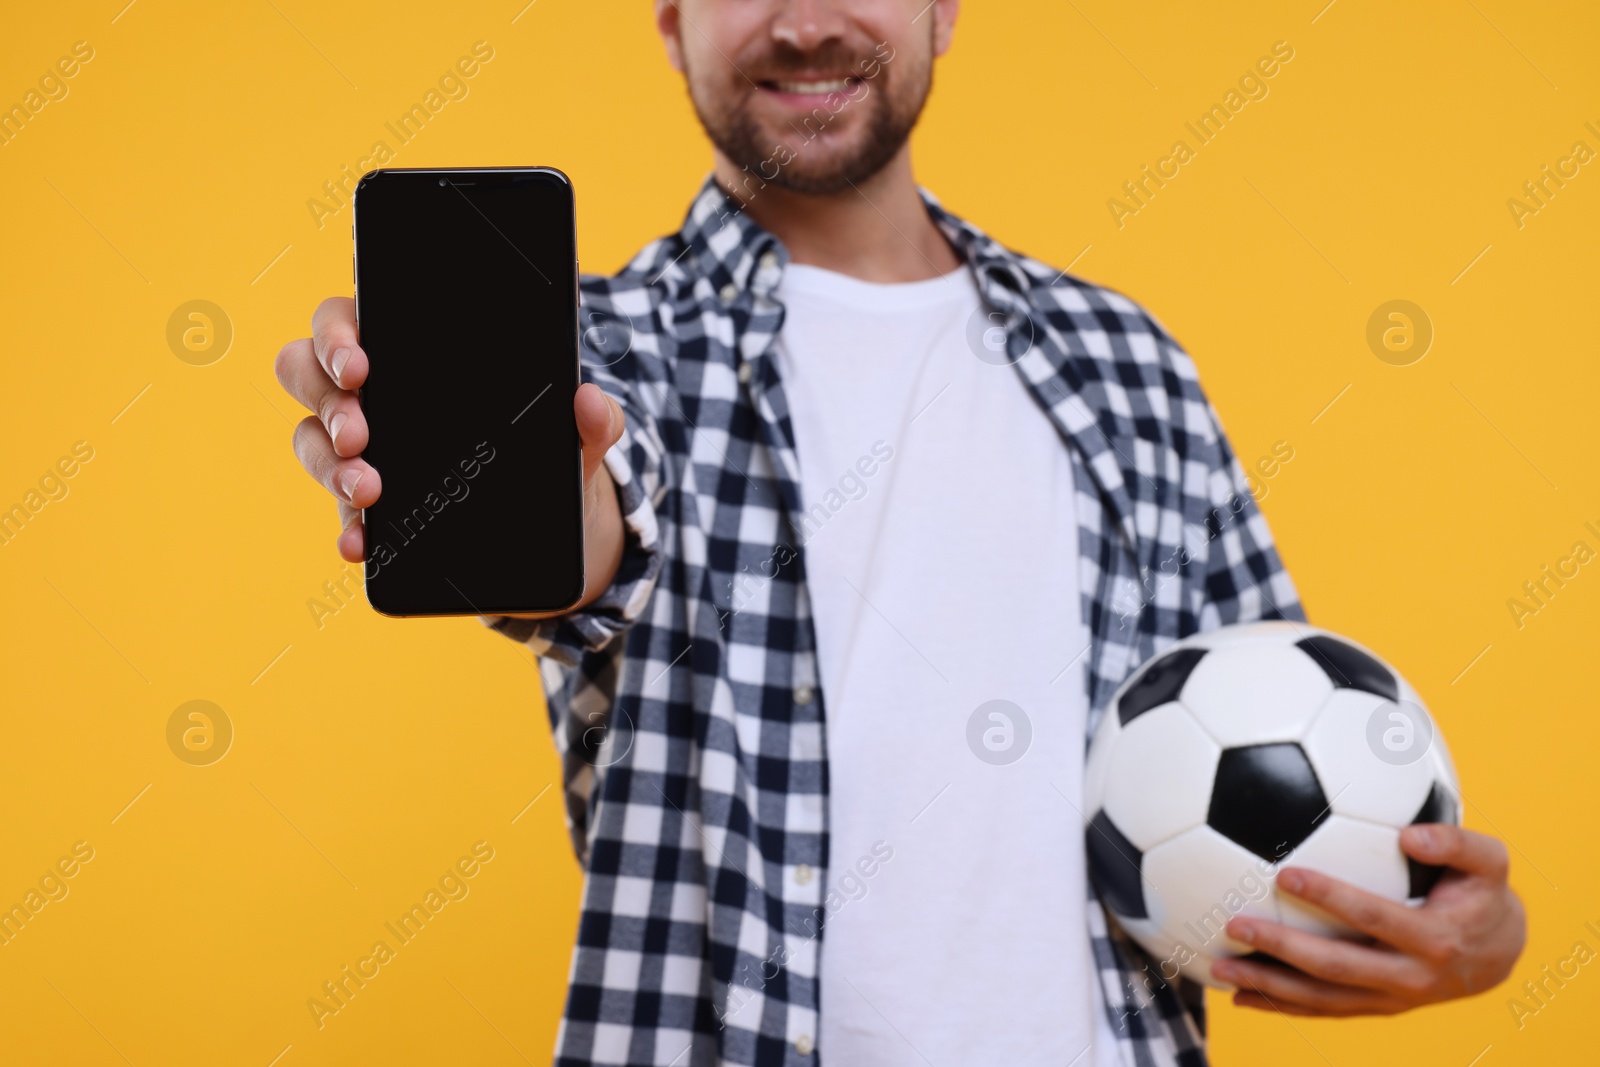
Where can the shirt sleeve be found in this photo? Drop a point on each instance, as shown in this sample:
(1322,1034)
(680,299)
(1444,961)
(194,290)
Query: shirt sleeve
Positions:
(1245,579)
(635,464)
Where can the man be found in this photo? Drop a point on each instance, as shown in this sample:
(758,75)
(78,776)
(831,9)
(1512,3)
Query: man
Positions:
(843,451)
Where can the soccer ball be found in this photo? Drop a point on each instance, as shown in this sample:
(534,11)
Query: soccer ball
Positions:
(1243,749)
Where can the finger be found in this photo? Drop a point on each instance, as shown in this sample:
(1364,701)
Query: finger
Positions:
(336,343)
(1408,929)
(1453,846)
(1284,988)
(301,376)
(1246,998)
(346,425)
(353,537)
(1340,962)
(600,425)
(339,410)
(351,481)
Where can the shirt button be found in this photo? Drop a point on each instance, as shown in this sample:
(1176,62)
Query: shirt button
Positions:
(769,261)
(804,694)
(744,372)
(803,1045)
(730,293)
(803,874)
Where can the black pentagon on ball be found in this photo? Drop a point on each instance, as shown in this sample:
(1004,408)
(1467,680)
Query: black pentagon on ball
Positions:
(1439,807)
(1159,684)
(1266,798)
(1114,865)
(1348,667)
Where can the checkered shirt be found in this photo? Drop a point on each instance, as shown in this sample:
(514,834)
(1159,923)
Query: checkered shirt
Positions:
(692,731)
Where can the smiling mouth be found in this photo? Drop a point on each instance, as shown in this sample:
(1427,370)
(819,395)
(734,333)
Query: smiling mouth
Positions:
(811,86)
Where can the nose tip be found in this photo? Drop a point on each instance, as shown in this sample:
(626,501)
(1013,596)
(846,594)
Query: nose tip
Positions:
(807,23)
(800,36)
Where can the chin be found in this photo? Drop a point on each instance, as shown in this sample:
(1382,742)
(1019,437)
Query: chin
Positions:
(791,151)
(828,164)
(820,182)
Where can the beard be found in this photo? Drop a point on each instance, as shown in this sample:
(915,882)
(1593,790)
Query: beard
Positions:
(812,155)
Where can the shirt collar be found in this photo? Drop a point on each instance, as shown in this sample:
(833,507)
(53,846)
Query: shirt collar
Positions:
(989,259)
(724,245)
(727,250)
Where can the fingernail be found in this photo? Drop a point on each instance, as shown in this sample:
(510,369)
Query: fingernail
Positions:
(335,425)
(1245,932)
(1293,881)
(336,365)
(1424,836)
(348,482)
(1225,972)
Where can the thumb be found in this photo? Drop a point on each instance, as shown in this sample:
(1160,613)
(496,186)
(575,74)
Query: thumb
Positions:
(600,424)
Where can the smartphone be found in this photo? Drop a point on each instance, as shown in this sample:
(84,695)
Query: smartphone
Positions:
(467,305)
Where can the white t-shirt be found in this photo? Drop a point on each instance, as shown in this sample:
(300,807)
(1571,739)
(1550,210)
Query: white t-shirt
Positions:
(941,560)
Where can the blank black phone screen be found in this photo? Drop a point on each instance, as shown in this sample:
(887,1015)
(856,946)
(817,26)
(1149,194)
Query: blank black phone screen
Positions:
(466,299)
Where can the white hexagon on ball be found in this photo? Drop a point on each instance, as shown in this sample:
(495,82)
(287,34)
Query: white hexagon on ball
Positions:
(1245,634)
(1094,774)
(1364,854)
(1158,783)
(1255,693)
(1196,883)
(1356,782)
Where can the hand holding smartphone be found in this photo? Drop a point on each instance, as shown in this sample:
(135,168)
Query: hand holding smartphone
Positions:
(452,422)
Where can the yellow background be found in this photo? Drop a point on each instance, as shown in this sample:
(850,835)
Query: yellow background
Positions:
(374,752)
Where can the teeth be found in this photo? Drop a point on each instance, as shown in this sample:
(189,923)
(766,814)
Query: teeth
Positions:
(837,85)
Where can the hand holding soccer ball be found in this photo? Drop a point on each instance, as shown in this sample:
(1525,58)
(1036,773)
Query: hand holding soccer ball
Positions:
(1241,750)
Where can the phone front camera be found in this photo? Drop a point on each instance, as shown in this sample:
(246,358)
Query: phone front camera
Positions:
(441,182)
